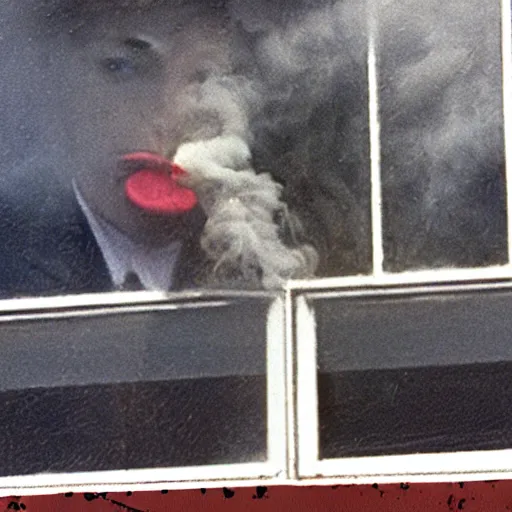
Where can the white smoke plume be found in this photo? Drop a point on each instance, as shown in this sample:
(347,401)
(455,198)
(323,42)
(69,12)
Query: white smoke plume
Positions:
(241,236)
(251,237)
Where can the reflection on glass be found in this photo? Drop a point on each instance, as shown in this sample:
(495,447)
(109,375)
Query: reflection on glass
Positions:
(190,144)
(442,139)
(393,381)
(158,388)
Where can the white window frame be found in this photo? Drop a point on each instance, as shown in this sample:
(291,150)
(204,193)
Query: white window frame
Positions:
(215,475)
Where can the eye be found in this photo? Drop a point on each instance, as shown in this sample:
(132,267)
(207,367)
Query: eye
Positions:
(130,58)
(119,65)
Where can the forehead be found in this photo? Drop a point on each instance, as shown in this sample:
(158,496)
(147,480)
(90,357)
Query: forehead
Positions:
(83,17)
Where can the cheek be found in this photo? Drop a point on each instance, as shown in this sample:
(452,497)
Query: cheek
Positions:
(105,118)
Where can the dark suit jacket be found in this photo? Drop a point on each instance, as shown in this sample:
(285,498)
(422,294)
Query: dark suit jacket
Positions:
(48,248)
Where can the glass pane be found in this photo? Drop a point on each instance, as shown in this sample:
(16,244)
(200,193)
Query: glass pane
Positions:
(156,388)
(317,138)
(414,373)
(143,146)
(136,425)
(442,133)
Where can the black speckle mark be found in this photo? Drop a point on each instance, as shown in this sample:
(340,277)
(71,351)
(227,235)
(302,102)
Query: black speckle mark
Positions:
(405,487)
(164,491)
(334,486)
(228,493)
(261,491)
(129,493)
(203,490)
(23,506)
(450,500)
(461,485)
(375,486)
(68,495)
(123,506)
(13,506)
(89,496)
(460,505)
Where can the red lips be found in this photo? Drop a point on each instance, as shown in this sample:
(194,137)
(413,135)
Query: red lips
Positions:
(153,187)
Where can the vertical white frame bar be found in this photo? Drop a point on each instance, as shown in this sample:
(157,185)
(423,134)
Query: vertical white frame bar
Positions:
(506,59)
(277,436)
(290,369)
(374,130)
(307,389)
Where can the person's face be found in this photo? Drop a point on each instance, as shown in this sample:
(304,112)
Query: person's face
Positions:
(131,81)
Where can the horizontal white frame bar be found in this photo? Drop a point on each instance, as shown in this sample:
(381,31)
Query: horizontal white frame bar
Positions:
(397,479)
(192,477)
(431,276)
(429,467)
(126,309)
(404,291)
(251,482)
(109,299)
(120,299)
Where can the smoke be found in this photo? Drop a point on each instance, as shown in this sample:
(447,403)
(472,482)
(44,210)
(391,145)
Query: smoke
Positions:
(442,132)
(251,238)
(311,133)
(299,111)
(241,236)
(303,51)
(253,235)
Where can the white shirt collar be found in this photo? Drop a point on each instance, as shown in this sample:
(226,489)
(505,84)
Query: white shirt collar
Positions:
(154,267)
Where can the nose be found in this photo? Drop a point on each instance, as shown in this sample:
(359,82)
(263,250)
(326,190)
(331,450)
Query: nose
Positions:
(160,133)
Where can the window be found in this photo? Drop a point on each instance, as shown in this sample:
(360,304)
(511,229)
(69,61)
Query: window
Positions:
(253,241)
